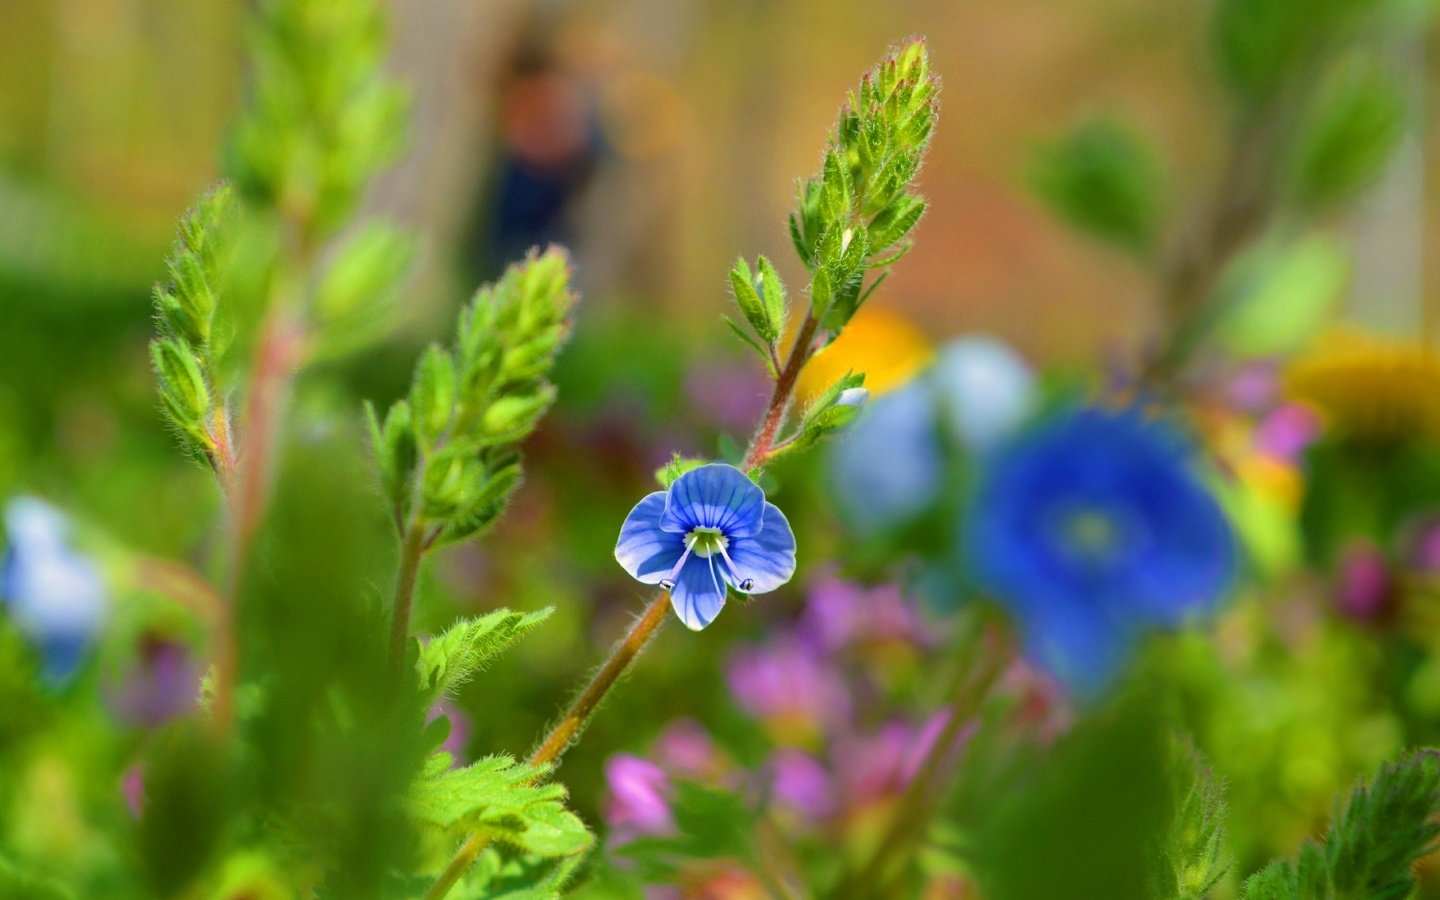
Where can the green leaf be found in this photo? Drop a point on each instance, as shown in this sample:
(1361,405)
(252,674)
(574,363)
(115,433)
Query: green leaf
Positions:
(353,302)
(830,412)
(453,657)
(1372,845)
(750,342)
(471,407)
(772,294)
(432,395)
(1276,299)
(1091,807)
(742,284)
(1104,180)
(499,798)
(1350,132)
(709,824)
(1264,45)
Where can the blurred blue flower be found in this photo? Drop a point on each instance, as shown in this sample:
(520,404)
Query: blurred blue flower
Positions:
(1092,528)
(986,390)
(54,595)
(888,469)
(713,529)
(885,468)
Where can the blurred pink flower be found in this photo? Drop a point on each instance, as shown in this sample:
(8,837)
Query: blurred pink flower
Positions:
(840,614)
(1285,432)
(638,798)
(685,749)
(163,685)
(1365,588)
(787,683)
(803,784)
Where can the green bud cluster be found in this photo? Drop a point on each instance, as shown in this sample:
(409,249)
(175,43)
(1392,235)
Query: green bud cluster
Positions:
(192,332)
(448,453)
(321,118)
(857,213)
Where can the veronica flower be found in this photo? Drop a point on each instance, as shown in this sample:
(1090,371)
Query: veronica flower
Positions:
(711,531)
(54,595)
(1092,528)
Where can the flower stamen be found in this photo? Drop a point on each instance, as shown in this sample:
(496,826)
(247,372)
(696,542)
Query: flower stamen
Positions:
(743,584)
(668,582)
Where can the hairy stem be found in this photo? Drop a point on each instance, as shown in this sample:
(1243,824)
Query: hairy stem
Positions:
(567,730)
(764,438)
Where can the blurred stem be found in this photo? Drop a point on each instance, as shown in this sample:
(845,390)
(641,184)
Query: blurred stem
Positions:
(565,732)
(412,550)
(180,583)
(278,354)
(1243,206)
(916,806)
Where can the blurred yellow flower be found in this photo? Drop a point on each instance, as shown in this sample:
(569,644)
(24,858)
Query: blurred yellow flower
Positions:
(888,348)
(1370,386)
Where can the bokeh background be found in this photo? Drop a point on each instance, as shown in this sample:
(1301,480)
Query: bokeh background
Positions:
(658,139)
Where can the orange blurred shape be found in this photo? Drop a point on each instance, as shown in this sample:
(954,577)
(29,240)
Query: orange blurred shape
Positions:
(887,347)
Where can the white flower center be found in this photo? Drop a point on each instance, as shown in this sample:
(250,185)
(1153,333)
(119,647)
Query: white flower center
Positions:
(706,542)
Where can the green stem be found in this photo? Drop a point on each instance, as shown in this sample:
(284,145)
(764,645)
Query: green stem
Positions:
(565,732)
(412,550)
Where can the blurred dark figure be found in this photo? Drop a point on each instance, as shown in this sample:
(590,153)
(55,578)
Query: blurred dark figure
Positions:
(550,143)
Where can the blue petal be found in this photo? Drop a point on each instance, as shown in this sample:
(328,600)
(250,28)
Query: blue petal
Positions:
(644,550)
(699,592)
(887,467)
(767,558)
(1085,651)
(714,496)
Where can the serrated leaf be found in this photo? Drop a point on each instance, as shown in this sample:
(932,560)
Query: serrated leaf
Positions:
(451,658)
(709,824)
(498,797)
(1372,845)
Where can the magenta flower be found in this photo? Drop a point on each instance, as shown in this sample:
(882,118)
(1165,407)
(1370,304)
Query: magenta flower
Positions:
(803,784)
(841,614)
(787,681)
(638,802)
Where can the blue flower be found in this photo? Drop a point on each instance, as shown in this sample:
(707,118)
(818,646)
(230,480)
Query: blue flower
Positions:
(54,595)
(713,529)
(888,469)
(986,390)
(1091,529)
